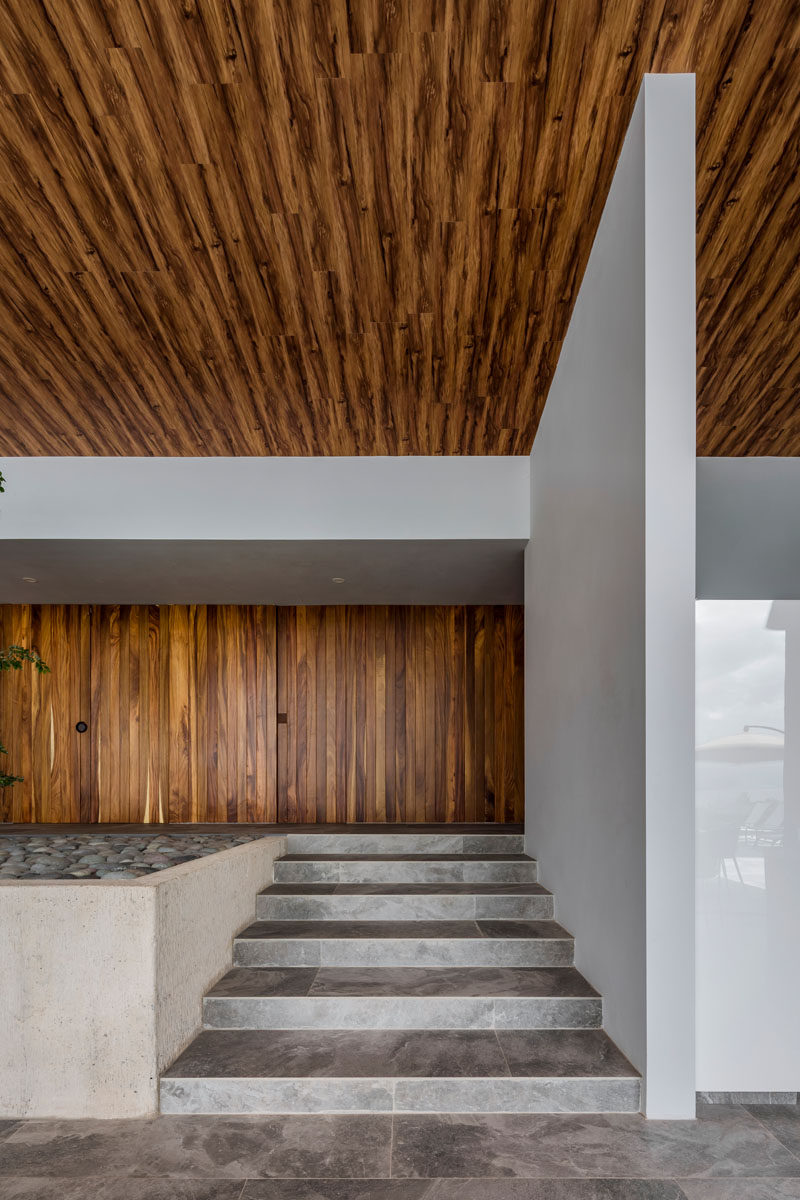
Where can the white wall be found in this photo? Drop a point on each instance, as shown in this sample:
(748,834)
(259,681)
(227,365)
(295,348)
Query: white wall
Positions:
(610,607)
(102,982)
(266,498)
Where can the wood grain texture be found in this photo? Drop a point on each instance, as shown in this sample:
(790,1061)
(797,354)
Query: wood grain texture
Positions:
(392,732)
(38,714)
(181,707)
(265,227)
(382,706)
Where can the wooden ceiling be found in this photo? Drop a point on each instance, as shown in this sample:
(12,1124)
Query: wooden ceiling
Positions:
(359,226)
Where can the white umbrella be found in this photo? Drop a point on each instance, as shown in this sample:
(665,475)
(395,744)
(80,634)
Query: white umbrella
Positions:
(744,747)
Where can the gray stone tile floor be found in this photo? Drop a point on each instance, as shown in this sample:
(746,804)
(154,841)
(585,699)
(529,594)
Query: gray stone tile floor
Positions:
(403,981)
(728,1153)
(345,1054)
(406,889)
(404,929)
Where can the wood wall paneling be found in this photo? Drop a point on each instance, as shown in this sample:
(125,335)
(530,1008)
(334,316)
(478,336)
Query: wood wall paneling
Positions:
(400,713)
(252,713)
(264,227)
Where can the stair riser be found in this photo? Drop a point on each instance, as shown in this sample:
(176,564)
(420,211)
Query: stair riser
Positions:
(403,908)
(405,843)
(402,1012)
(404,872)
(402,952)
(430,1095)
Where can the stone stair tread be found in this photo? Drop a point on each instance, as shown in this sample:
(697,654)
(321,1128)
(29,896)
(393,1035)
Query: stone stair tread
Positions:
(395,1054)
(561,982)
(411,930)
(428,828)
(423,858)
(453,888)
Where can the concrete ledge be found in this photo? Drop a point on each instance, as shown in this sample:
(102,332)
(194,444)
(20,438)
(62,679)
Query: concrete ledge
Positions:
(102,980)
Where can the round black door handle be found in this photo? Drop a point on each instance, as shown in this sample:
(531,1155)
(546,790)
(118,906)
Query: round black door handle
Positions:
(81,727)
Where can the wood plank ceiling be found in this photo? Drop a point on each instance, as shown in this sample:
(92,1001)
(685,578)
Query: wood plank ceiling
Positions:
(358,226)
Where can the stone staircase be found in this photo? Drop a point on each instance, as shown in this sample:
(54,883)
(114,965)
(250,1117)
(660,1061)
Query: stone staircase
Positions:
(402,972)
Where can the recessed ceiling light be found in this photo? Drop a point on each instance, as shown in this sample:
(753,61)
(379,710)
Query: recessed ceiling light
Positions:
(337,579)
(29,579)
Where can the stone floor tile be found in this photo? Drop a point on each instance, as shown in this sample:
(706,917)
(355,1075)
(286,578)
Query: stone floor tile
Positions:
(450,981)
(337,1189)
(463,1189)
(563,1053)
(741,1189)
(521,929)
(723,1142)
(121,1188)
(337,1053)
(782,1120)
(369,929)
(265,981)
(198,1146)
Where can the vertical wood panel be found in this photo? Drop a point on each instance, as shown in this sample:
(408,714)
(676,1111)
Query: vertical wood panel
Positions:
(392,713)
(489,727)
(341,714)
(440,708)
(267,716)
(84,783)
(370,812)
(331,715)
(468,712)
(321,784)
(389,723)
(479,654)
(380,713)
(178,700)
(419,716)
(429,685)
(400,713)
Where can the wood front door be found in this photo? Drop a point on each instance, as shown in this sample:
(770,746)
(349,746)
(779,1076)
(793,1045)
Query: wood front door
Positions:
(400,713)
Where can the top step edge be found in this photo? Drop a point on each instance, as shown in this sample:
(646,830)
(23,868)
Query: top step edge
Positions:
(444,856)
(402,842)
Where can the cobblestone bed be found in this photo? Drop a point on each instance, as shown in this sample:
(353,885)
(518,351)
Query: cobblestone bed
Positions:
(106,856)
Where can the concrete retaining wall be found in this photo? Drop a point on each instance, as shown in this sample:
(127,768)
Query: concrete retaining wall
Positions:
(101,981)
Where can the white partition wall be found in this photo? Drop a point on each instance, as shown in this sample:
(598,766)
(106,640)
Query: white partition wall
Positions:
(609,611)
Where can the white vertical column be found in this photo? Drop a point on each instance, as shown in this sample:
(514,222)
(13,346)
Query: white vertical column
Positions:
(670,447)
